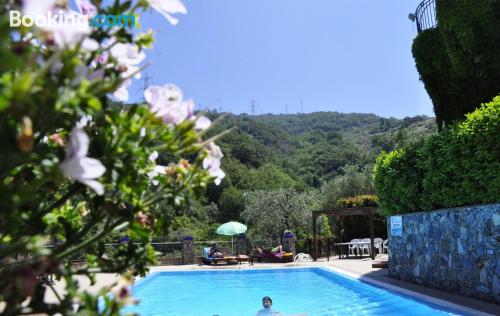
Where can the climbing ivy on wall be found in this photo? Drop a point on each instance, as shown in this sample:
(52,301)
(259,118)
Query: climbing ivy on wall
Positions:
(458,61)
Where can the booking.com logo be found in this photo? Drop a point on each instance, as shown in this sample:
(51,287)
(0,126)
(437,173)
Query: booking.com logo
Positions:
(71,20)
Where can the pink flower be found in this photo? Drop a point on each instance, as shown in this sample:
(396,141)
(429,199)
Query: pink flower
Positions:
(86,8)
(78,166)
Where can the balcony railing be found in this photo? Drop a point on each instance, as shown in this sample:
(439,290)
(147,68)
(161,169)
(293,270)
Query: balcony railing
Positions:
(425,15)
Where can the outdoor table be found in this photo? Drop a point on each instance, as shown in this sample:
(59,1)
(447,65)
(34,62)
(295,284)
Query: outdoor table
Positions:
(245,258)
(341,245)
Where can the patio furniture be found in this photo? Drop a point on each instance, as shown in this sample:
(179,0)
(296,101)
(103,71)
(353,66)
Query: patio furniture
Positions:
(244,258)
(378,244)
(302,257)
(342,245)
(340,213)
(385,248)
(206,259)
(365,247)
(353,248)
(278,256)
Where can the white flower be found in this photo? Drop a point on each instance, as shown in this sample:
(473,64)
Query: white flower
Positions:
(166,102)
(63,33)
(68,35)
(157,169)
(127,56)
(38,7)
(121,94)
(153,156)
(78,166)
(202,123)
(212,162)
(167,8)
(218,175)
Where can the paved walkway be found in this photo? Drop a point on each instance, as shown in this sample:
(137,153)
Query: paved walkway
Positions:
(358,268)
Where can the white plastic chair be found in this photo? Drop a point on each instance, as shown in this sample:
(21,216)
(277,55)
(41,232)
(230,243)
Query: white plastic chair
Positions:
(354,248)
(365,248)
(377,242)
(385,247)
(302,257)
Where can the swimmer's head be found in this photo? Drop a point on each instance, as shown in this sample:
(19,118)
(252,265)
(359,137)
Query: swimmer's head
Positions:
(267,302)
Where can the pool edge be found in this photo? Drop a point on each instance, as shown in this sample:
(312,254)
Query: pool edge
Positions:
(416,295)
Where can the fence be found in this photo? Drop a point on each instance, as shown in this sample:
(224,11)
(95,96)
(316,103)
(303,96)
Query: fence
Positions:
(425,15)
(170,252)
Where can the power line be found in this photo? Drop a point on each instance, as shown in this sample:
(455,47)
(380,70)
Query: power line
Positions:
(253,106)
(146,82)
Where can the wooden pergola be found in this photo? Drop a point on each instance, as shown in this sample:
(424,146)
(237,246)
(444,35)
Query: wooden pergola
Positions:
(341,213)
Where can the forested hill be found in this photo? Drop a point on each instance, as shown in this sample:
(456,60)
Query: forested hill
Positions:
(308,149)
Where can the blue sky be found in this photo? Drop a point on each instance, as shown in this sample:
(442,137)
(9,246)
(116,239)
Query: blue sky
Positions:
(334,55)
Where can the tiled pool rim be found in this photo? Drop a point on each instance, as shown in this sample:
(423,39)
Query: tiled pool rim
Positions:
(392,288)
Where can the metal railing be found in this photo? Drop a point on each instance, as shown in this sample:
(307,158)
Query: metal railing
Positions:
(169,252)
(425,15)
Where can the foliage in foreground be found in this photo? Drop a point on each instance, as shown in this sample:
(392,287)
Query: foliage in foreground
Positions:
(455,168)
(76,169)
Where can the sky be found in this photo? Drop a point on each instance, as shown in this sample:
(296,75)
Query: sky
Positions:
(290,56)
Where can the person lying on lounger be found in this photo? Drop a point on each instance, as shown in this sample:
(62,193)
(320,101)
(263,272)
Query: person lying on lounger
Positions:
(277,249)
(215,252)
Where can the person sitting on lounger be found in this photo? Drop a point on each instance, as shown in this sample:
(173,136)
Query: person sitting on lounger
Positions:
(215,252)
(267,303)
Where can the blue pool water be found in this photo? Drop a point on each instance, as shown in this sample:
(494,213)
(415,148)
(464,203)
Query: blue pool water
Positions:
(295,291)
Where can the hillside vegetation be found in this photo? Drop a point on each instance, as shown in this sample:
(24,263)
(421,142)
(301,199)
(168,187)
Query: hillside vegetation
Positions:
(316,158)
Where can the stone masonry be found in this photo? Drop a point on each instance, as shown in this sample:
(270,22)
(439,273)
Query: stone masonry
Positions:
(456,250)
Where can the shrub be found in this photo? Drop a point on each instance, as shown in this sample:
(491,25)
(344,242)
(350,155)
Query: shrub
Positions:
(458,167)
(358,201)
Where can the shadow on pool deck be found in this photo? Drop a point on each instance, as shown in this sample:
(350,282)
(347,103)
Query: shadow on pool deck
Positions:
(362,268)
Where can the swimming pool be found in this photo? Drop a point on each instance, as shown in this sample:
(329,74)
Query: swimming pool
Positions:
(311,291)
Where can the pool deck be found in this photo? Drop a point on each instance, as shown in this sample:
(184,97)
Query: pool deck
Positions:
(357,268)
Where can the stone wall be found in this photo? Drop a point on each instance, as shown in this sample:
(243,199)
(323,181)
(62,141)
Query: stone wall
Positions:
(456,250)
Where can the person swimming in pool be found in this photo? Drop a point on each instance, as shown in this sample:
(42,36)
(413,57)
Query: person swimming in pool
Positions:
(267,303)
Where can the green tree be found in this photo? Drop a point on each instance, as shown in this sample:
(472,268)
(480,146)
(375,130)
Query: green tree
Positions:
(355,180)
(269,213)
(231,203)
(267,177)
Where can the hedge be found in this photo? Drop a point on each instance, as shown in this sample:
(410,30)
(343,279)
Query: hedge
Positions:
(454,168)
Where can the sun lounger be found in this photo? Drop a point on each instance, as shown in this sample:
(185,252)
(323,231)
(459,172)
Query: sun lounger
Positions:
(206,259)
(272,256)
